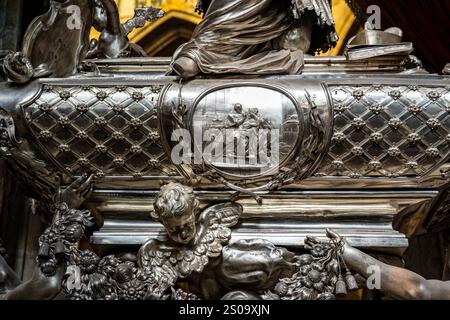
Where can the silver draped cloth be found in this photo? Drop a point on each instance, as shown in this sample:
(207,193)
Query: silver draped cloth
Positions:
(242,36)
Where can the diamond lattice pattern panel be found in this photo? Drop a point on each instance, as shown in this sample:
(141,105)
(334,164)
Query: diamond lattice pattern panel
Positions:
(111,131)
(388,131)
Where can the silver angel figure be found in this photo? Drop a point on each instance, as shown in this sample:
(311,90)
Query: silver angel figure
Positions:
(193,239)
(198,251)
(255,37)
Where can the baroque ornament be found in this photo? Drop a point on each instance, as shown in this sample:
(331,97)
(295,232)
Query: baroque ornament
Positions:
(368,154)
(195,243)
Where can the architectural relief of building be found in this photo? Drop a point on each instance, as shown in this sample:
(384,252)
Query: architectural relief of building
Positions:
(221,149)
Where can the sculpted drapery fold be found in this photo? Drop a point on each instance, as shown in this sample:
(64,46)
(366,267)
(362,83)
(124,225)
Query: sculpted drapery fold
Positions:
(245,36)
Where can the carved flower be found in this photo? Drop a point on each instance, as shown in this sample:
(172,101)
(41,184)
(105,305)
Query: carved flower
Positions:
(88,261)
(447,138)
(153,136)
(357,151)
(101,95)
(377,87)
(376,137)
(433,95)
(63,148)
(413,137)
(137,95)
(414,109)
(137,174)
(432,152)
(319,250)
(118,108)
(411,165)
(413,88)
(133,290)
(65,95)
(304,259)
(358,123)
(393,151)
(375,165)
(101,148)
(45,107)
(45,135)
(136,149)
(376,108)
(83,162)
(118,135)
(395,94)
(125,272)
(340,108)
(337,164)
(433,123)
(86,88)
(153,163)
(339,137)
(314,277)
(136,123)
(155,89)
(82,135)
(100,121)
(99,174)
(48,87)
(121,88)
(82,108)
(395,123)
(64,121)
(358,94)
(118,162)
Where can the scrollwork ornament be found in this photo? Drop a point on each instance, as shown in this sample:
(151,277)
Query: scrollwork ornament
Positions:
(18,68)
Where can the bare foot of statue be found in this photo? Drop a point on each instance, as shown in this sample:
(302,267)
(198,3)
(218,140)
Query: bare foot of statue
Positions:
(185,67)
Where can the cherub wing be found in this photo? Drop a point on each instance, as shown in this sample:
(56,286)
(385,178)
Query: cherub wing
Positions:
(214,233)
(160,259)
(223,214)
(215,223)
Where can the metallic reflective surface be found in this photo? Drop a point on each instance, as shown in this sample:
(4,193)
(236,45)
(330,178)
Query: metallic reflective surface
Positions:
(361,146)
(212,50)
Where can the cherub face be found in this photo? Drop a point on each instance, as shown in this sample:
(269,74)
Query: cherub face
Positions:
(181,229)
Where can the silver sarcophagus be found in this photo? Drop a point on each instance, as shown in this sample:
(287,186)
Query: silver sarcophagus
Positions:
(241,168)
(357,152)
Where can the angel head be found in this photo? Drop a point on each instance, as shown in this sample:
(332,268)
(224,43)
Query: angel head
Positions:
(176,207)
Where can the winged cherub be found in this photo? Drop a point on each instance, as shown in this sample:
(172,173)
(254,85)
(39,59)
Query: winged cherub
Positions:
(196,253)
(194,237)
(198,250)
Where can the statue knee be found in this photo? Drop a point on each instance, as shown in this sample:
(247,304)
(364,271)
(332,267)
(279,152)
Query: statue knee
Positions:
(185,67)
